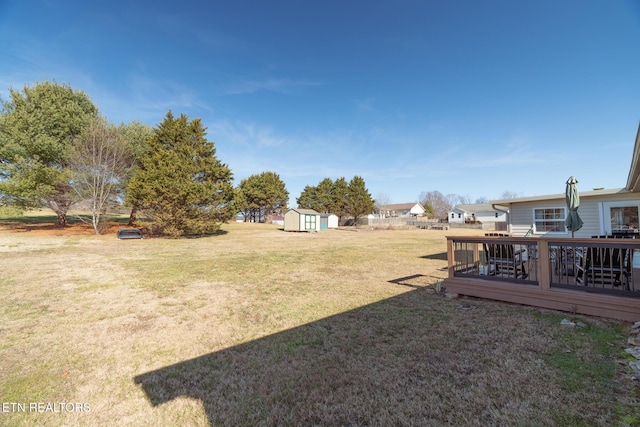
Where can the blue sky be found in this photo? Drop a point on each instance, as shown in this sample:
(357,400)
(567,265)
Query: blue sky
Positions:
(468,97)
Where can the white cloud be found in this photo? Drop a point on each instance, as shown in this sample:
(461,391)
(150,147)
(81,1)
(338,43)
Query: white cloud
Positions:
(281,85)
(245,134)
(366,105)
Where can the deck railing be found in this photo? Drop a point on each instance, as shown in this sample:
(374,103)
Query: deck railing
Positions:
(592,276)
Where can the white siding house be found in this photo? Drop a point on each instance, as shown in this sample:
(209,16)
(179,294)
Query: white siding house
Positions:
(478,212)
(400,210)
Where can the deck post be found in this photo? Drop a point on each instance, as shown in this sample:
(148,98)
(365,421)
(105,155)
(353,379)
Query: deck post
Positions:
(450,257)
(544,274)
(476,256)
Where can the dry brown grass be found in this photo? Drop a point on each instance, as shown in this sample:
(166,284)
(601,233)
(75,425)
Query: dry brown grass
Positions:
(260,327)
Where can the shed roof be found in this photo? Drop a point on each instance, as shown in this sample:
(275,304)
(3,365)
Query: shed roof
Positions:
(476,207)
(306,211)
(399,206)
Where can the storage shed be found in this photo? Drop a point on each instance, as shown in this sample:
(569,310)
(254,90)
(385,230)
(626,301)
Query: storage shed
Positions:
(328,220)
(302,220)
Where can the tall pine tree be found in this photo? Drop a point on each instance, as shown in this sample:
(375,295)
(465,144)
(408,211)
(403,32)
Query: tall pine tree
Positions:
(359,201)
(261,196)
(339,198)
(38,126)
(180,186)
(318,198)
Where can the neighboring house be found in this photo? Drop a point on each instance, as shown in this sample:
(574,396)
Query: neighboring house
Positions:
(302,220)
(277,219)
(328,220)
(400,210)
(603,211)
(479,212)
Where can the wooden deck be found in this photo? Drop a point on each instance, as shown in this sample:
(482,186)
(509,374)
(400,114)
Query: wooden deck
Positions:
(546,273)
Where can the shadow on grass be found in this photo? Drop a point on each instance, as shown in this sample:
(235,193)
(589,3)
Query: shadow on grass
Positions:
(340,370)
(199,236)
(442,256)
(110,225)
(413,359)
(426,280)
(45,222)
(42,220)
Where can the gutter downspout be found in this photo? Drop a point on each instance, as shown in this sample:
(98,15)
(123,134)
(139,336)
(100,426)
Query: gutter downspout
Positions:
(506,211)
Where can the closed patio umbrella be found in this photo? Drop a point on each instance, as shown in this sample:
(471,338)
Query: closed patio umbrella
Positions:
(573,221)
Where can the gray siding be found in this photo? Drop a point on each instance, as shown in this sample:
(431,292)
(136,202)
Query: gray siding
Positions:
(521,214)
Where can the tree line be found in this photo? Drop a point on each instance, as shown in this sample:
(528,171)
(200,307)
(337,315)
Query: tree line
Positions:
(56,150)
(339,197)
(438,205)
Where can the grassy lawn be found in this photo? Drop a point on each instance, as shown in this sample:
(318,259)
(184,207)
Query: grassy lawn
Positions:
(255,326)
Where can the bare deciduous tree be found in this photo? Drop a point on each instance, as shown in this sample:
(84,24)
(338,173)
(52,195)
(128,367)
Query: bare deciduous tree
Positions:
(509,195)
(100,161)
(435,203)
(464,200)
(382,199)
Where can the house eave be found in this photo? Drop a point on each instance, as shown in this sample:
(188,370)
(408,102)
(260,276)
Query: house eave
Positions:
(633,180)
(583,194)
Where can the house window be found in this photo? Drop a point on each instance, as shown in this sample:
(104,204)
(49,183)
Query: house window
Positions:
(459,215)
(620,217)
(453,216)
(624,218)
(549,220)
(496,214)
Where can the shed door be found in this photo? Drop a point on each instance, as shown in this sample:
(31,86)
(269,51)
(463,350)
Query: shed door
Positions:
(309,222)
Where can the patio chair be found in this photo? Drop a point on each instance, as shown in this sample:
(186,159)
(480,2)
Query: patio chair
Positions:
(607,266)
(504,260)
(565,260)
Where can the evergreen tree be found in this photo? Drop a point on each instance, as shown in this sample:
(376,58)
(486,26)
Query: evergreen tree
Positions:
(317,198)
(180,185)
(277,194)
(324,195)
(308,198)
(339,198)
(262,196)
(37,129)
(134,134)
(359,201)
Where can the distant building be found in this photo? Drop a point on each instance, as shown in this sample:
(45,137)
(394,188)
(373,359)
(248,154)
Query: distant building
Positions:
(400,210)
(328,220)
(277,219)
(479,212)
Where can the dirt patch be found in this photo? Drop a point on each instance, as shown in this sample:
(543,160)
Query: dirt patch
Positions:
(49,229)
